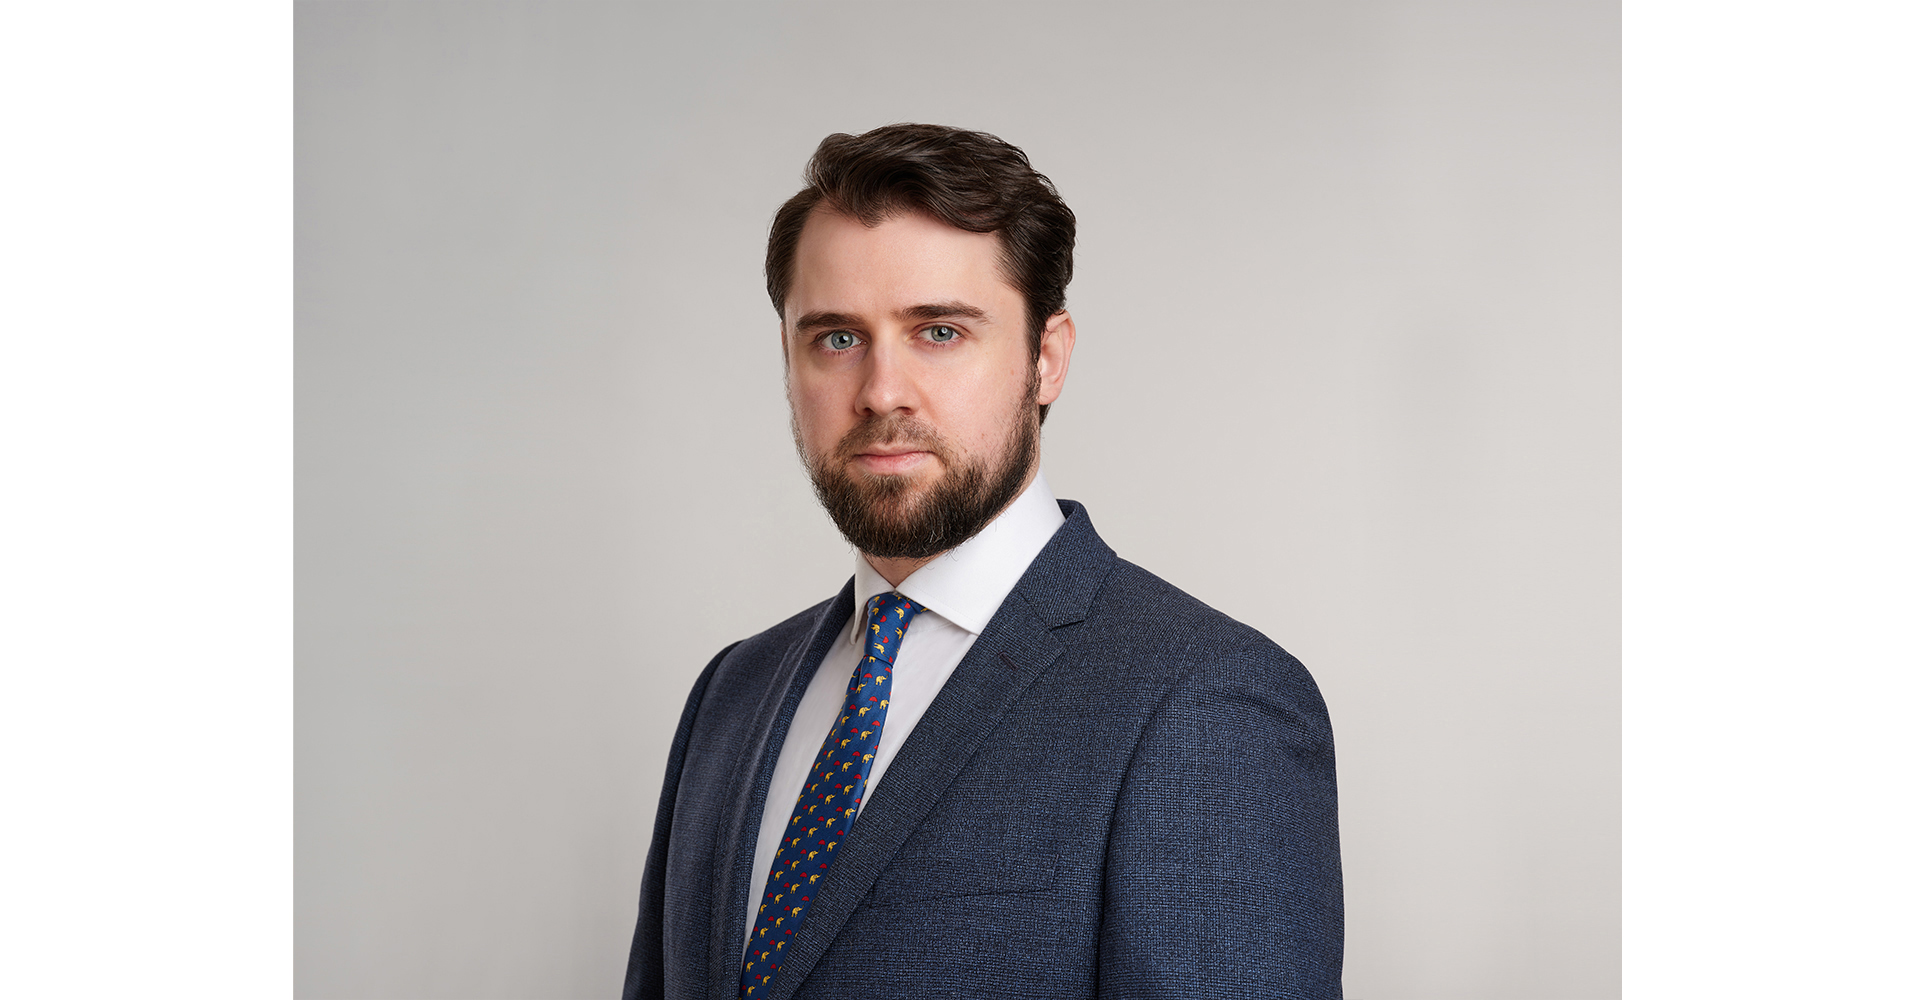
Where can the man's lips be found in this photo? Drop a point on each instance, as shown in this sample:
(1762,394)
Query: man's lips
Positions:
(890,461)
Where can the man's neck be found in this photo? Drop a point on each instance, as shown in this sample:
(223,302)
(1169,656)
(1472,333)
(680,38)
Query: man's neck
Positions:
(896,570)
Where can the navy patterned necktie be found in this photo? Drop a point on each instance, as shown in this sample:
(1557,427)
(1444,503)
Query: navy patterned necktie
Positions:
(831,797)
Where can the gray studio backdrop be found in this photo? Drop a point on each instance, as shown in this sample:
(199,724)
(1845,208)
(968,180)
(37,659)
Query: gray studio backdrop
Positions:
(1348,370)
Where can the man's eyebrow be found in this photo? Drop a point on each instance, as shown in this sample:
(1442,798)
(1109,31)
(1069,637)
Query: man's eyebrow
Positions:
(942,310)
(816,320)
(930,310)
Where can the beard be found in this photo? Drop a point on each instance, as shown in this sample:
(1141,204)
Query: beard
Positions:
(892,517)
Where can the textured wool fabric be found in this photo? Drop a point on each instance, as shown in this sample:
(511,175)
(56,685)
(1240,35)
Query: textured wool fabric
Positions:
(839,772)
(1120,792)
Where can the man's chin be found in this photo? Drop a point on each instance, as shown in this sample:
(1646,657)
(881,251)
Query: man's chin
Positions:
(920,477)
(931,505)
(898,492)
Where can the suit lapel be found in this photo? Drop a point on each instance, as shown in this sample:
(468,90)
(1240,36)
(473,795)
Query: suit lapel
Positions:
(1017,647)
(733,854)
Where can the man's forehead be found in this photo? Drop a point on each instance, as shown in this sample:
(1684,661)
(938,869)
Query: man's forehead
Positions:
(907,260)
(899,244)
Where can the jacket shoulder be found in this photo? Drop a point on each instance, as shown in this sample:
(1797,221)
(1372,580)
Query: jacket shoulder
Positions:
(1166,639)
(1137,607)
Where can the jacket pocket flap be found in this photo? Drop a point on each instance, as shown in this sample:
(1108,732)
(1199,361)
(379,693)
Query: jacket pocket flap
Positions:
(917,880)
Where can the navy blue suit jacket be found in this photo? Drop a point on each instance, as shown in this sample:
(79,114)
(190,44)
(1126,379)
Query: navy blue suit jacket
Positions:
(1120,792)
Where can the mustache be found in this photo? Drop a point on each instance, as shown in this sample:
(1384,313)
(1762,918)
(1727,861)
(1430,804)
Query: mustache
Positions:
(892,430)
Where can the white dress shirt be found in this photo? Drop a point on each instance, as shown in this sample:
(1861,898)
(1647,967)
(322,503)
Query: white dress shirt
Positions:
(959,592)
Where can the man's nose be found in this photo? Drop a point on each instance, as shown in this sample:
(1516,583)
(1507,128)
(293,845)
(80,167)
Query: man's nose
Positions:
(887,380)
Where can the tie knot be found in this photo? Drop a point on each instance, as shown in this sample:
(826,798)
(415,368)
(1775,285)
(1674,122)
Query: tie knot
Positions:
(887,618)
(891,607)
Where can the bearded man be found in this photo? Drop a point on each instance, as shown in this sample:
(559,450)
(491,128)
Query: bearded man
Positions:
(1001,762)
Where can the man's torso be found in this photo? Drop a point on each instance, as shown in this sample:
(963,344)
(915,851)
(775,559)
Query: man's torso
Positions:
(1072,794)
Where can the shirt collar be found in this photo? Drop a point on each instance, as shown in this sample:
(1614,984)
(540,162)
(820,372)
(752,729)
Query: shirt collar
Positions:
(967,583)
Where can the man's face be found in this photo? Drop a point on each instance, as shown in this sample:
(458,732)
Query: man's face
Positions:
(915,395)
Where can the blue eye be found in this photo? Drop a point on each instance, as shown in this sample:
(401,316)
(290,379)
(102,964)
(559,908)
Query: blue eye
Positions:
(941,334)
(841,340)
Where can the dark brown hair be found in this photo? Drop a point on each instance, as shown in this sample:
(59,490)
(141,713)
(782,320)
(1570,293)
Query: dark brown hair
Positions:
(968,180)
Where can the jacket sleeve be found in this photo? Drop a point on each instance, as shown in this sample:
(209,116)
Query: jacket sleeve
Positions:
(646,966)
(1223,867)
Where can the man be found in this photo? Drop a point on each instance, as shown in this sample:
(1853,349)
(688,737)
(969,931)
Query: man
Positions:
(1002,761)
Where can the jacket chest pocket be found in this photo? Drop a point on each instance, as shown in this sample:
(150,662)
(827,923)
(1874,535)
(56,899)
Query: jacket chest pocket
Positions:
(941,863)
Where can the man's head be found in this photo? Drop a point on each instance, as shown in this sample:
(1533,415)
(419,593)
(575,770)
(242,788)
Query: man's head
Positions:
(921,283)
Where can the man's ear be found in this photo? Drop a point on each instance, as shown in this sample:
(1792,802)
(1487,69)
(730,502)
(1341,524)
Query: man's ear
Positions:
(1056,350)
